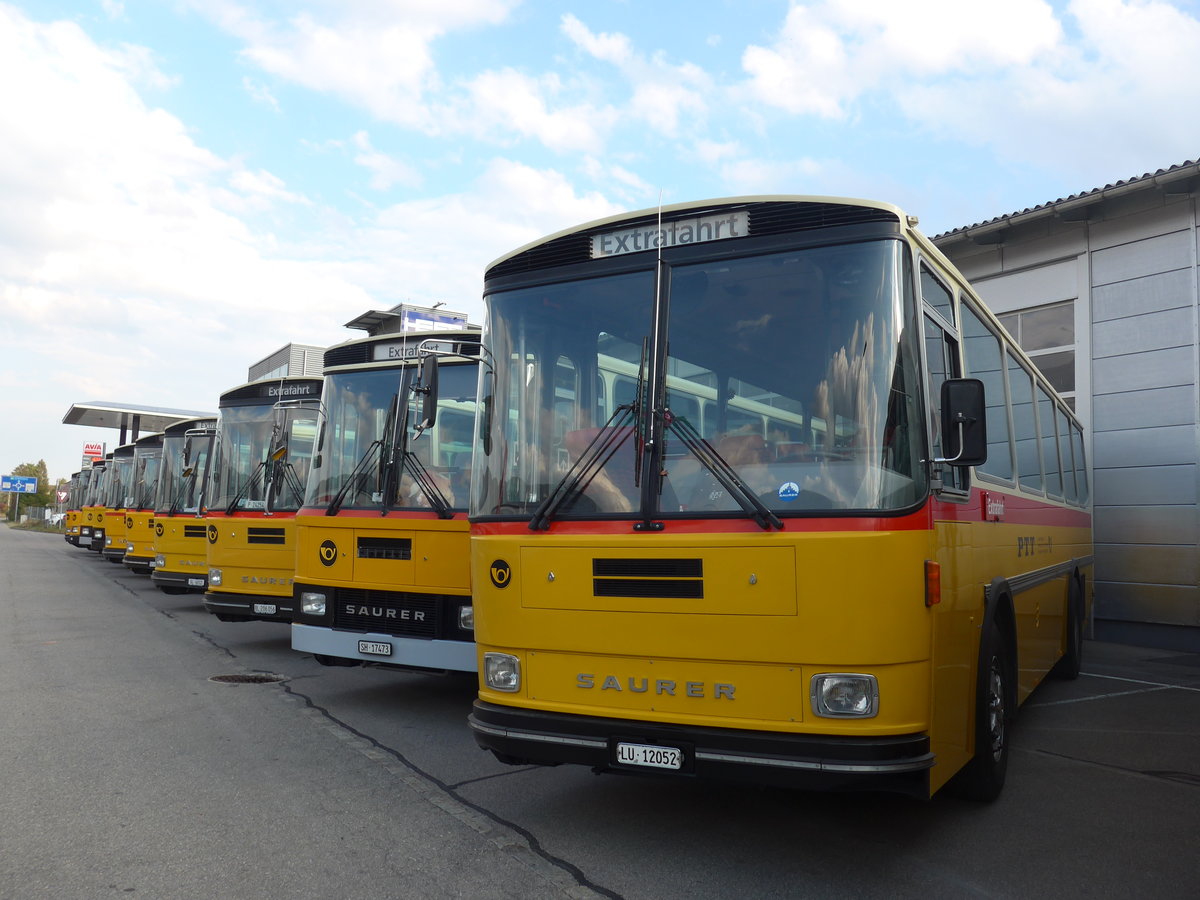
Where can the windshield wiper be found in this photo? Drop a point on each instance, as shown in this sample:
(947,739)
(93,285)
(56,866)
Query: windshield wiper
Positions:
(595,456)
(245,488)
(424,480)
(723,472)
(400,457)
(336,503)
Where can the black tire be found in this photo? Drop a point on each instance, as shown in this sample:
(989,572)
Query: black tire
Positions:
(983,777)
(1067,668)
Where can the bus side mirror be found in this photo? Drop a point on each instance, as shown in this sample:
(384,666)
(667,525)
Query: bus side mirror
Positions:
(964,422)
(428,389)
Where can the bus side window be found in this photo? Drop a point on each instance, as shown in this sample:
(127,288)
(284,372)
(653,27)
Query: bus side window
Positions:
(941,358)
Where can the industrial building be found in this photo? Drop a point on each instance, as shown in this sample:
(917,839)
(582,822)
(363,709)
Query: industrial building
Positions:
(1101,289)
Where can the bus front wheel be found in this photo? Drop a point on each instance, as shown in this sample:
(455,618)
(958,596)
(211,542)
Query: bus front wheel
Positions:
(983,777)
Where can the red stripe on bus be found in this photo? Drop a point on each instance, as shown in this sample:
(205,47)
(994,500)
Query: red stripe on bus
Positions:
(1018,510)
(374,514)
(249,515)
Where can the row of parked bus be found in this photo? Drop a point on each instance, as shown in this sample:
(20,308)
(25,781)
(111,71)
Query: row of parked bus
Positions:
(754,488)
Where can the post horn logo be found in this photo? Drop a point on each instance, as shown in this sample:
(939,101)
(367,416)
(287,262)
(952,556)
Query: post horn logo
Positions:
(501,573)
(129,521)
(328,553)
(212,533)
(158,528)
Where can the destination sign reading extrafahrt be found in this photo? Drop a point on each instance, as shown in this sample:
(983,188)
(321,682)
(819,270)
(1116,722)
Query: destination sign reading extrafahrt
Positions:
(671,234)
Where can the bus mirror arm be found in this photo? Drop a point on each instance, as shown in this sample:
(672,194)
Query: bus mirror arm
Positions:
(964,422)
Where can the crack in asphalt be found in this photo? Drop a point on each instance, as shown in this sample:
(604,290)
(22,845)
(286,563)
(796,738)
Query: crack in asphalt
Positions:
(521,844)
(1188,778)
(545,863)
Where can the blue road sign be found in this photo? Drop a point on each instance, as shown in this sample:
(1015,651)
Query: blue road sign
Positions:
(18,484)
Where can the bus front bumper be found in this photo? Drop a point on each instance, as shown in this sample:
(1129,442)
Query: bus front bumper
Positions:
(386,649)
(815,762)
(245,607)
(182,581)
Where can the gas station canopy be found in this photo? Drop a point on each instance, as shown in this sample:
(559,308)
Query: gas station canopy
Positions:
(131,419)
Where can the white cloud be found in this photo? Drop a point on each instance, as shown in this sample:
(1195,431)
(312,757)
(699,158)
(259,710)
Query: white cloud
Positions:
(1111,105)
(662,94)
(386,171)
(437,249)
(122,246)
(613,48)
(829,53)
(763,176)
(375,55)
(260,93)
(505,103)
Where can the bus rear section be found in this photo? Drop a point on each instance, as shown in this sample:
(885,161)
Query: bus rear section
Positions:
(254,485)
(180,534)
(382,570)
(763,492)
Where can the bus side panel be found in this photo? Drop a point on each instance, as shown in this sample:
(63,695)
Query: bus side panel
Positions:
(956,630)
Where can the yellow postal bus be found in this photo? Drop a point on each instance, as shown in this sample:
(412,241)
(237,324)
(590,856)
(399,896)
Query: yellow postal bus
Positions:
(763,491)
(180,536)
(139,515)
(91,528)
(75,493)
(382,568)
(253,488)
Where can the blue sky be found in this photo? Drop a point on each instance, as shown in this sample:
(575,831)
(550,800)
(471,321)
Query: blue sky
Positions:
(211,179)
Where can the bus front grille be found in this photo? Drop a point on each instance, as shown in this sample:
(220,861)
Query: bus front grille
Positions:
(384,548)
(671,578)
(388,612)
(265,536)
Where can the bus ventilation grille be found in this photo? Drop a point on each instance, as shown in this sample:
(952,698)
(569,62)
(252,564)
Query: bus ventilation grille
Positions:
(195,531)
(672,578)
(265,536)
(348,356)
(775,217)
(384,548)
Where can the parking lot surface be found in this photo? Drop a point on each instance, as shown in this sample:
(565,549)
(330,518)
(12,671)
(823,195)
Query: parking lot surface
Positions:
(128,771)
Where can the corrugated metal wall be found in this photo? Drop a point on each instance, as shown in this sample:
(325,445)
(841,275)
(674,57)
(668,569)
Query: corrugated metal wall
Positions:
(1132,272)
(1144,416)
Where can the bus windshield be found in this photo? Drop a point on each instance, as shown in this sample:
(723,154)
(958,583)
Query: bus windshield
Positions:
(794,371)
(261,458)
(358,435)
(145,477)
(120,481)
(183,457)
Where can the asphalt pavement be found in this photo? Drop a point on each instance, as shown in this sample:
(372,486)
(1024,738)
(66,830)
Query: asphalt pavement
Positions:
(127,771)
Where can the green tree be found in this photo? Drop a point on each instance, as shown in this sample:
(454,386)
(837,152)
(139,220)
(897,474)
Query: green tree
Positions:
(45,491)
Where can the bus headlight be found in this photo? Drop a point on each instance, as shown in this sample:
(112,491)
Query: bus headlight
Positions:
(312,603)
(214,577)
(160,561)
(466,618)
(840,695)
(502,672)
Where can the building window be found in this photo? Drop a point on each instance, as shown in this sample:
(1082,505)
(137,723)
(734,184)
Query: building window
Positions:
(1047,334)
